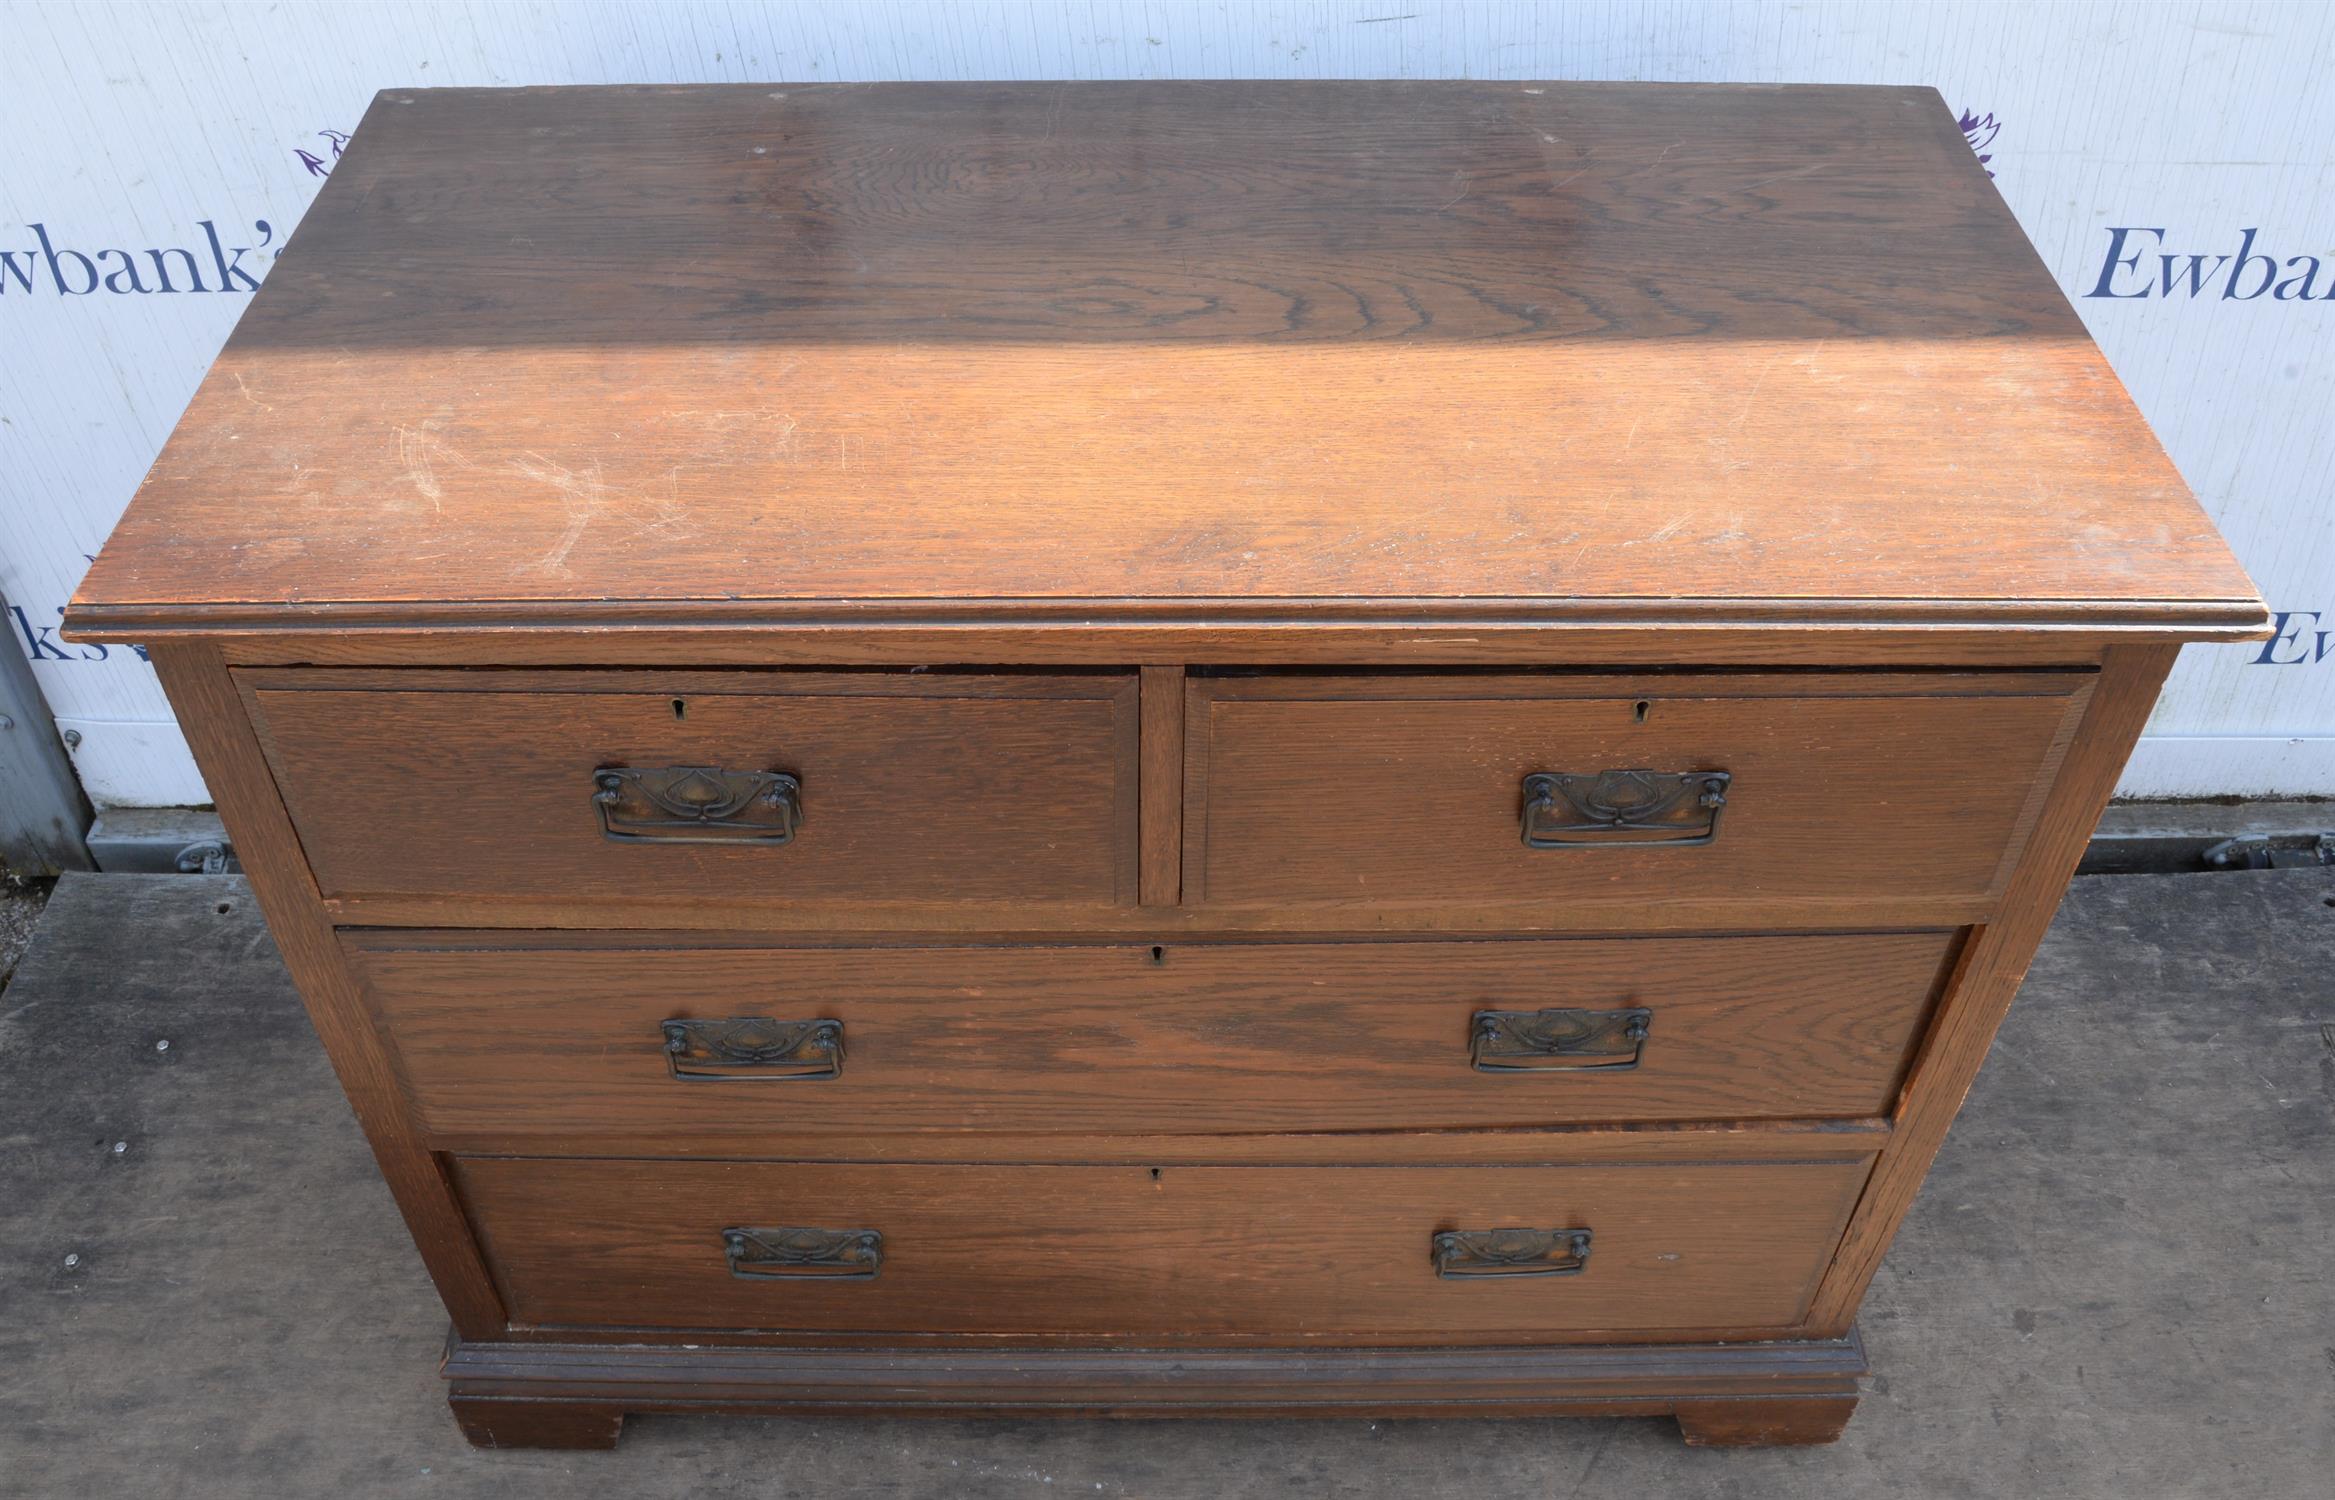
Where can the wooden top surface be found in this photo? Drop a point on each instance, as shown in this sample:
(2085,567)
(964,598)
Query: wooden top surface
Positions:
(1120,347)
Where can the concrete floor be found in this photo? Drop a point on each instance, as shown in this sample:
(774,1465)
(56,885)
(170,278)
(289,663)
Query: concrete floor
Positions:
(2117,1283)
(20,910)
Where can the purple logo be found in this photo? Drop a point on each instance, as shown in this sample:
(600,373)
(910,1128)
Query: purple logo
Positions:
(336,139)
(167,268)
(1980,131)
(2241,274)
(40,643)
(2297,644)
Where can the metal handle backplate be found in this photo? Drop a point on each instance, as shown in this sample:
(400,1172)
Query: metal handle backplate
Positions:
(795,1251)
(697,805)
(1612,809)
(754,1047)
(1485,1254)
(1547,1041)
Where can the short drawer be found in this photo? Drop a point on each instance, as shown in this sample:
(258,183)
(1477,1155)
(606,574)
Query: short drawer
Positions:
(642,789)
(1205,1254)
(1546,795)
(746,1048)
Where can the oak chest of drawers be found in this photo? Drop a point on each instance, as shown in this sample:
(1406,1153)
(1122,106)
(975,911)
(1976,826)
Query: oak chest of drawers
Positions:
(1161,748)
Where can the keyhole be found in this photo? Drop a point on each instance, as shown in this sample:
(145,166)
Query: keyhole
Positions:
(681,709)
(1641,709)
(1155,1174)
(1158,954)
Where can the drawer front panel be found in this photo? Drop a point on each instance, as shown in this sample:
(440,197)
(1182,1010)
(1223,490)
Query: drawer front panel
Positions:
(1532,792)
(1174,1254)
(717,1044)
(649,788)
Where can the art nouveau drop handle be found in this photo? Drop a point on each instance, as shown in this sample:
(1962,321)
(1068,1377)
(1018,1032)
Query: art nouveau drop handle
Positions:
(1552,1041)
(791,1251)
(1487,1254)
(754,1047)
(697,805)
(1622,809)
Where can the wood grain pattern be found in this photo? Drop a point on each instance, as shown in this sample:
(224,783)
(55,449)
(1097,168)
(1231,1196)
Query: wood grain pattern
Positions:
(1542,636)
(1989,970)
(1395,792)
(1174,1256)
(203,695)
(1496,1380)
(1525,916)
(1103,344)
(1766,1139)
(945,788)
(1764,1421)
(519,1422)
(1189,1039)
(1162,524)
(1161,821)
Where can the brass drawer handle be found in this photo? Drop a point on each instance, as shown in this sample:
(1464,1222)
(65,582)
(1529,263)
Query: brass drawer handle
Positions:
(1615,809)
(1552,1041)
(794,1251)
(754,1047)
(1485,1254)
(697,805)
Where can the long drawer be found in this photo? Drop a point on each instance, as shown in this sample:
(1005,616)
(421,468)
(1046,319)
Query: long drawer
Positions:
(1181,1254)
(1546,793)
(551,1035)
(635,789)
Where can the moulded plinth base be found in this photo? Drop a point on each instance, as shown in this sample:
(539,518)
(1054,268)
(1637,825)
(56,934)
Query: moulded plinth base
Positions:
(552,1395)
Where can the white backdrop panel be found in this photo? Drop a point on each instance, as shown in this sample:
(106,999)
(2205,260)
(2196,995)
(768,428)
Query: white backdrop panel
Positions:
(202,128)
